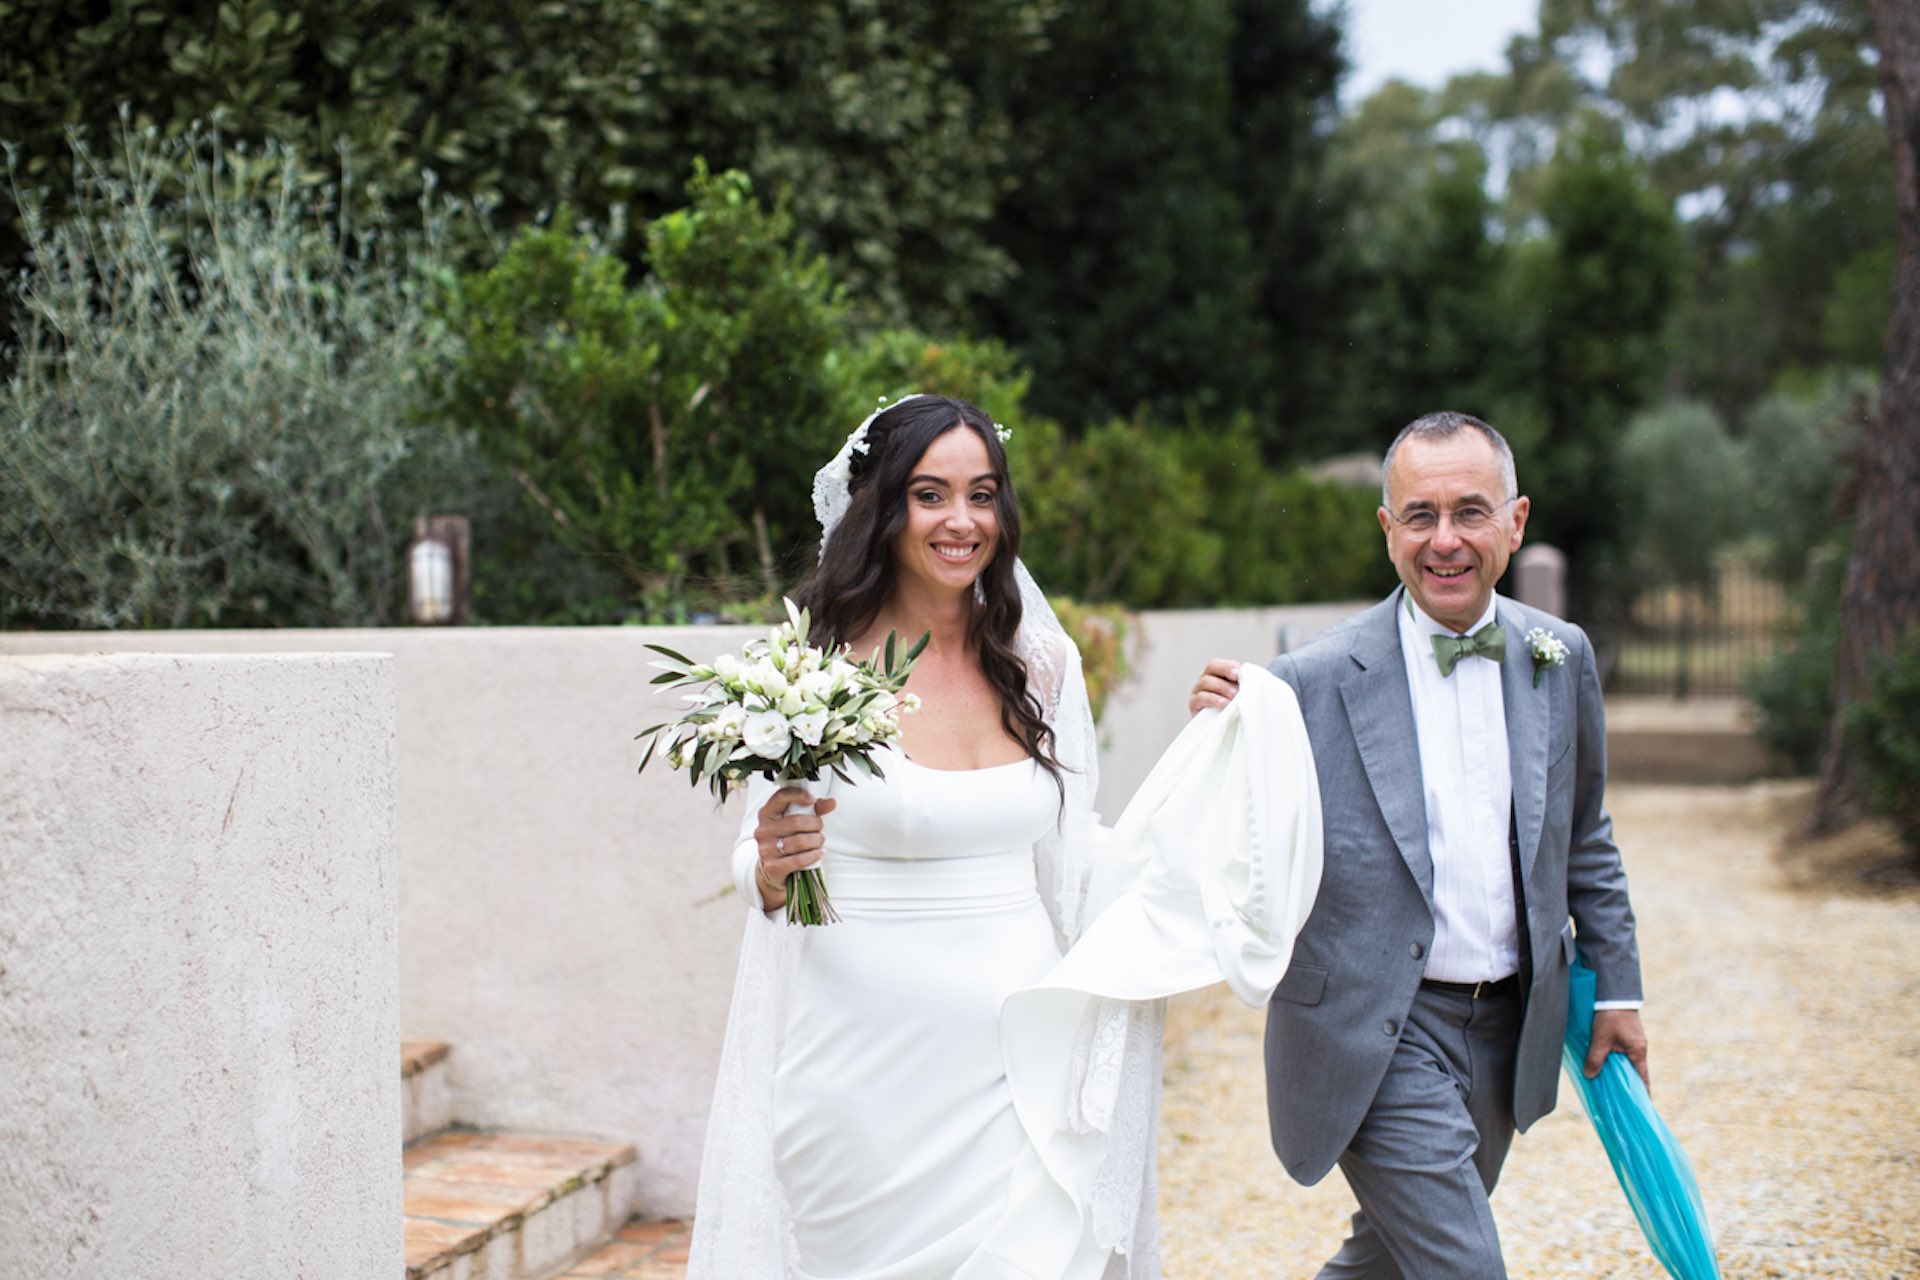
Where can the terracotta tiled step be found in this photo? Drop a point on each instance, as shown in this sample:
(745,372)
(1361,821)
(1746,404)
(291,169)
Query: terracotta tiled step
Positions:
(639,1251)
(424,1088)
(506,1206)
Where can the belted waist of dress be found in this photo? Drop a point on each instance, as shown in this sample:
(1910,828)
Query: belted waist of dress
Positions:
(979,880)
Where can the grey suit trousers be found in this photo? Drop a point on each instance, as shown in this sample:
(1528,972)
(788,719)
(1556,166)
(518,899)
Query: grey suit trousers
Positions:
(1430,1150)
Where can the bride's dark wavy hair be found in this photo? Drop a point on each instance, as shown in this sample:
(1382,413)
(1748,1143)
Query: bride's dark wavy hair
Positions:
(855,577)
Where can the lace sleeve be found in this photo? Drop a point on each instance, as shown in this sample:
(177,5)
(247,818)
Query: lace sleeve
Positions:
(1116,1057)
(1048,657)
(1063,858)
(741,1228)
(746,855)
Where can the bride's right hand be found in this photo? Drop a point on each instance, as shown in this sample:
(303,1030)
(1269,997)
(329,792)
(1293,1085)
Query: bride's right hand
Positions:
(788,842)
(1217,684)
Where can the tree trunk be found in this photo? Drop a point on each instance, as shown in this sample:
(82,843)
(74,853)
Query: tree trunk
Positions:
(1881,598)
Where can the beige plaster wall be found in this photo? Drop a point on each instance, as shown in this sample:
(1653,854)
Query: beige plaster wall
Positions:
(198,976)
(1146,714)
(566,925)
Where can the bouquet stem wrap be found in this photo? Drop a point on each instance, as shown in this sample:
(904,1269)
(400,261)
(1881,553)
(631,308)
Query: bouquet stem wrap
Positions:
(807,901)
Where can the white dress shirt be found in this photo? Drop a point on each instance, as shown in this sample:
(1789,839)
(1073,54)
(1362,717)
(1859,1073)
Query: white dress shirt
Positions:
(1461,723)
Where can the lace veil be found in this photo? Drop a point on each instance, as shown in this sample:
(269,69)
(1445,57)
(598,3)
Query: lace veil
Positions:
(741,1228)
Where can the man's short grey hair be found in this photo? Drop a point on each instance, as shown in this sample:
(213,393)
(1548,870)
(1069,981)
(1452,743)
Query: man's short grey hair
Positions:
(1444,426)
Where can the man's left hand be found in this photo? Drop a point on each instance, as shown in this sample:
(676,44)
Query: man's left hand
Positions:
(1618,1031)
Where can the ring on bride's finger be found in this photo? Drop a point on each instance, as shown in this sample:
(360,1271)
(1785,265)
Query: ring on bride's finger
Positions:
(780,845)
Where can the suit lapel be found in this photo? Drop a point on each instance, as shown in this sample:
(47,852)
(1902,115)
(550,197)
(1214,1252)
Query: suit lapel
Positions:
(1529,725)
(1380,712)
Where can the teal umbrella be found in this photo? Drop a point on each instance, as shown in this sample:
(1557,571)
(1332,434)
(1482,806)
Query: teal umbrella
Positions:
(1653,1169)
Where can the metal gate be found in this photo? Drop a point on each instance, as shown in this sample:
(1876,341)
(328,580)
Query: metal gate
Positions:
(1688,643)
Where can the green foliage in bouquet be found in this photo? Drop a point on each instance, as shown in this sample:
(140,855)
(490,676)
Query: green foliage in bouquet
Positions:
(787,711)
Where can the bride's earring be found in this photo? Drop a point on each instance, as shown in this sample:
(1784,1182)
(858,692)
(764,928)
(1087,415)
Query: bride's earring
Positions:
(979,591)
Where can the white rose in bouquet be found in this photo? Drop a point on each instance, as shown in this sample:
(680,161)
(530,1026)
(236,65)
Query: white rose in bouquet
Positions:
(810,726)
(731,723)
(767,735)
(768,679)
(788,711)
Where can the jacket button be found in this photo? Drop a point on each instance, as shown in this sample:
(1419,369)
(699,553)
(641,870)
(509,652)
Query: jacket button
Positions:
(1416,951)
(1391,1027)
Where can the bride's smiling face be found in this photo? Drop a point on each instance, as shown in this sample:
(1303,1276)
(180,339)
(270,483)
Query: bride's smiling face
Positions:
(953,523)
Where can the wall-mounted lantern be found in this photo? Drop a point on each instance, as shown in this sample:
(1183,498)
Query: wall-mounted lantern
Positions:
(437,586)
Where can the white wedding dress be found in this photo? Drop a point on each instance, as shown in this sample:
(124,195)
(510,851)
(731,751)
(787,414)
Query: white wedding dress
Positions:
(929,1089)
(894,1130)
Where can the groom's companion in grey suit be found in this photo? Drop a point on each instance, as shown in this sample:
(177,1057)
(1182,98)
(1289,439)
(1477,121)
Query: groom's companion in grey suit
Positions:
(1461,750)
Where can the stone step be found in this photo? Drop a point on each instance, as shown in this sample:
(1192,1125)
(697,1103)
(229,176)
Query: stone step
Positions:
(511,1206)
(424,1088)
(641,1250)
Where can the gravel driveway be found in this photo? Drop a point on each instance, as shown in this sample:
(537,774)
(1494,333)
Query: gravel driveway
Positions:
(1785,1030)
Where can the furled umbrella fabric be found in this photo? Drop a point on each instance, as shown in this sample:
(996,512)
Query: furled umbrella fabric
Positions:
(1653,1169)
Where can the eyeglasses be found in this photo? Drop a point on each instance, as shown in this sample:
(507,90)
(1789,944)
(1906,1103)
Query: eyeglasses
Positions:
(1470,518)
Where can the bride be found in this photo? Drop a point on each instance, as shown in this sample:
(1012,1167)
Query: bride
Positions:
(961,1077)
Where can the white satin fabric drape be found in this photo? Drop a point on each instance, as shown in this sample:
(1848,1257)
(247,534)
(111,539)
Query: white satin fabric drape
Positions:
(1207,877)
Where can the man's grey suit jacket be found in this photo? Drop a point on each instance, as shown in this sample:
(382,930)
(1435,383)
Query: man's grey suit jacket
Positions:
(1334,1020)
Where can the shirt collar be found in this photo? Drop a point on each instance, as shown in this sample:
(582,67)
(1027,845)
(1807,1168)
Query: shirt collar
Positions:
(1416,625)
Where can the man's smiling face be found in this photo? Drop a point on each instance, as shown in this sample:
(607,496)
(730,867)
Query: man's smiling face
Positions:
(1451,572)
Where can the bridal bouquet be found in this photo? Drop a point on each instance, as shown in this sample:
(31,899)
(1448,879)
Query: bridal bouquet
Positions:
(788,711)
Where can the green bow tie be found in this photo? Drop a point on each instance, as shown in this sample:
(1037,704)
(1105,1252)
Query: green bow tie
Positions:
(1489,641)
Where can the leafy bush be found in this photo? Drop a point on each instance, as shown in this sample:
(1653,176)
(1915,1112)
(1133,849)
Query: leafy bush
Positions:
(512,105)
(897,362)
(1105,637)
(1794,442)
(670,429)
(1793,693)
(1158,519)
(1883,728)
(213,417)
(1116,515)
(1288,537)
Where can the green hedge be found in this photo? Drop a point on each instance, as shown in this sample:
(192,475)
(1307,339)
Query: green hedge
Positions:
(227,410)
(1883,728)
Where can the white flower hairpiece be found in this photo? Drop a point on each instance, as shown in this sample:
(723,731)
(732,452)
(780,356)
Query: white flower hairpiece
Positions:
(833,483)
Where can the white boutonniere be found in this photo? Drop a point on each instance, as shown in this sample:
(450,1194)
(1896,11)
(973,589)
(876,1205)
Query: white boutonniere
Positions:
(1548,650)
